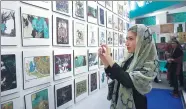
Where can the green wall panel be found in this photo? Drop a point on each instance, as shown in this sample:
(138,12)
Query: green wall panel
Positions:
(176,17)
(147,20)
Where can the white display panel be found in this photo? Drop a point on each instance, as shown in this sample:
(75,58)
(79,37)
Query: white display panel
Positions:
(42,4)
(33,68)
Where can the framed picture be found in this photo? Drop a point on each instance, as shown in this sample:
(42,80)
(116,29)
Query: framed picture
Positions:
(115,7)
(33,35)
(101,16)
(167,28)
(109,37)
(102,3)
(40,99)
(80,61)
(109,19)
(121,39)
(81,88)
(63,7)
(120,8)
(108,5)
(11,104)
(116,59)
(80,33)
(92,59)
(93,82)
(121,54)
(92,12)
(64,95)
(179,27)
(62,32)
(125,26)
(37,68)
(41,4)
(115,22)
(92,35)
(115,37)
(10,72)
(120,25)
(102,36)
(79,9)
(102,79)
(63,63)
(9,27)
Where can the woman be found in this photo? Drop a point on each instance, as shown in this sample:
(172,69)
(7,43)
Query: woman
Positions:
(133,79)
(175,66)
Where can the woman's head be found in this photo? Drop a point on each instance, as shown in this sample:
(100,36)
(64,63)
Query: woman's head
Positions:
(131,39)
(174,43)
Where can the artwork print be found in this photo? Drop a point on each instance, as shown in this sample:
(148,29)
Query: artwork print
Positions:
(80,61)
(62,6)
(79,39)
(37,67)
(102,37)
(93,83)
(81,87)
(101,16)
(8,72)
(40,100)
(115,39)
(120,9)
(116,54)
(92,12)
(64,95)
(8,105)
(121,53)
(108,4)
(92,59)
(120,24)
(109,19)
(92,35)
(109,38)
(121,40)
(35,26)
(115,23)
(79,9)
(62,31)
(8,25)
(167,28)
(63,63)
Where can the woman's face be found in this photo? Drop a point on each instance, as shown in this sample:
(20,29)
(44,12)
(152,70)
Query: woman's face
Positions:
(174,45)
(131,41)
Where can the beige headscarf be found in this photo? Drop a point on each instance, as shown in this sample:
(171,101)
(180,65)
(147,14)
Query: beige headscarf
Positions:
(142,69)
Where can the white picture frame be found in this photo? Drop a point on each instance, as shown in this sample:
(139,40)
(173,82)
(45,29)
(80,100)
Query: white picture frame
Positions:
(101,16)
(93,5)
(64,104)
(120,5)
(109,19)
(102,36)
(13,102)
(109,37)
(115,7)
(67,12)
(116,54)
(18,70)
(83,53)
(109,5)
(102,3)
(92,51)
(115,22)
(82,95)
(65,20)
(83,16)
(115,39)
(79,28)
(121,54)
(121,39)
(28,97)
(120,25)
(58,54)
(91,76)
(102,78)
(10,6)
(41,4)
(92,32)
(31,81)
(27,38)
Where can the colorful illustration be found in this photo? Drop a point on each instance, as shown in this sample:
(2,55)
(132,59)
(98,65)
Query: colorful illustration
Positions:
(63,63)
(93,83)
(101,16)
(37,67)
(81,87)
(79,9)
(40,100)
(8,72)
(92,12)
(62,31)
(35,26)
(8,25)
(62,6)
(92,59)
(80,61)
(8,105)
(79,34)
(64,95)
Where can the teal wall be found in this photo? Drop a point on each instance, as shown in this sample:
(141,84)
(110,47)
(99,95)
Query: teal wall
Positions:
(146,20)
(176,17)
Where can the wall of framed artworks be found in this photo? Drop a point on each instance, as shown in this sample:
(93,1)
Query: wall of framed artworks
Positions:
(49,50)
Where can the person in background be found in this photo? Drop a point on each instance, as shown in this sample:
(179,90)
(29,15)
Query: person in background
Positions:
(175,65)
(132,79)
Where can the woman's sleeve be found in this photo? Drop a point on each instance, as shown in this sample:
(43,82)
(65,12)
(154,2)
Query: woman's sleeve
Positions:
(116,72)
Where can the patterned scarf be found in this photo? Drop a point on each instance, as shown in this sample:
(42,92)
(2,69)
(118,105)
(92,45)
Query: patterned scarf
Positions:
(142,69)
